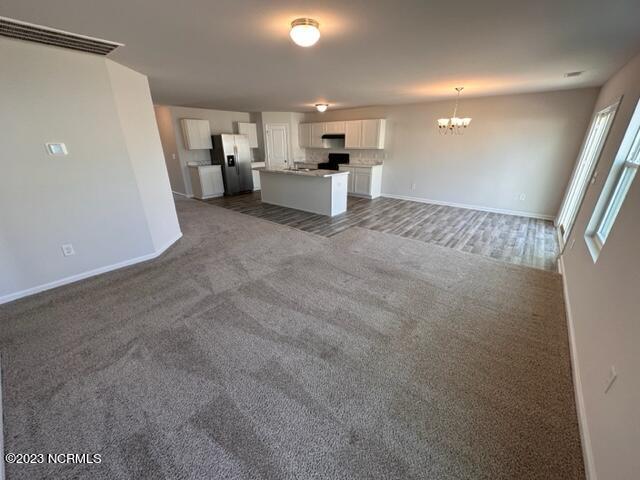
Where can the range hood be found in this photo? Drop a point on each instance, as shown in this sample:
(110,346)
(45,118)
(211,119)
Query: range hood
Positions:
(333,140)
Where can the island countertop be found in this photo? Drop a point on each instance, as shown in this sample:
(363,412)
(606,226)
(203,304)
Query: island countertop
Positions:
(302,172)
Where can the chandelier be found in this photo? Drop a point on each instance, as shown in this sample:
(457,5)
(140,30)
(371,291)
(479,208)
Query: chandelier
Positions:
(454,125)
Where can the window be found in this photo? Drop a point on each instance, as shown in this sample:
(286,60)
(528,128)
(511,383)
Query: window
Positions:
(617,186)
(587,161)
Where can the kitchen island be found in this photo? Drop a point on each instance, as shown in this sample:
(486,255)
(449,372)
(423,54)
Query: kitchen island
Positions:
(317,191)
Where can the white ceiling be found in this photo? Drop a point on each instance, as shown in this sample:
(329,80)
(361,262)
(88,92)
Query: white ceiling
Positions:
(237,55)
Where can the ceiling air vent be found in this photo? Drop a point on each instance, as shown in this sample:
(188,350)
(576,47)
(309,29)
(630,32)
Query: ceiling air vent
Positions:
(59,38)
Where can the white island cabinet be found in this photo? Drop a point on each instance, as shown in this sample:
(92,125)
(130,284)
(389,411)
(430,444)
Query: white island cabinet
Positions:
(317,191)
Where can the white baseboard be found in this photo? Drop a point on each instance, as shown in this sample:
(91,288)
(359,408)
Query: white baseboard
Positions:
(361,195)
(91,273)
(182,194)
(471,207)
(585,438)
(217,195)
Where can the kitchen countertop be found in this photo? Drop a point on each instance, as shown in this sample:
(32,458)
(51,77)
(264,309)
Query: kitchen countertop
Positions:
(355,164)
(304,173)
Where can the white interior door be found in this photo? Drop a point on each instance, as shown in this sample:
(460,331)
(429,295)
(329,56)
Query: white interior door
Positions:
(584,169)
(277,140)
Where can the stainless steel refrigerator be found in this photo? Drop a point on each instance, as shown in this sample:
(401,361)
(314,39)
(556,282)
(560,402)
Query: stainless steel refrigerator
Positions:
(233,154)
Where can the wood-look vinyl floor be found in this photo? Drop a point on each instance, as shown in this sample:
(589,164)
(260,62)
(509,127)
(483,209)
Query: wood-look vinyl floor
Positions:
(519,240)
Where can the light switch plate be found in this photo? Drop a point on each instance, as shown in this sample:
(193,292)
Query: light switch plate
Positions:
(56,149)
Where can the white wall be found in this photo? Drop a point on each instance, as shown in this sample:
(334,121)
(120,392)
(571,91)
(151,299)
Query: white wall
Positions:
(516,144)
(604,303)
(221,121)
(138,124)
(89,198)
(258,153)
(170,148)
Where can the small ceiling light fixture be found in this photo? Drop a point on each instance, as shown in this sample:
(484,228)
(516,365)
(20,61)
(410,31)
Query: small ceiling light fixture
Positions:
(305,32)
(322,107)
(454,125)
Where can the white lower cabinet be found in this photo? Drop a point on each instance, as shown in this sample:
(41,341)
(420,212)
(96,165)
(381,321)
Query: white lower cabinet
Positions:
(364,180)
(256,174)
(351,181)
(206,181)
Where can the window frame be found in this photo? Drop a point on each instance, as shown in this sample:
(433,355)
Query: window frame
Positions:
(591,149)
(619,181)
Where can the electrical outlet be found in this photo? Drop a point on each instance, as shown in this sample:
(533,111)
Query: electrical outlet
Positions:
(523,197)
(573,242)
(613,375)
(173,155)
(413,186)
(67,250)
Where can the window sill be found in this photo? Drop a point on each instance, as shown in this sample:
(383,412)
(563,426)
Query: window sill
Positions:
(593,246)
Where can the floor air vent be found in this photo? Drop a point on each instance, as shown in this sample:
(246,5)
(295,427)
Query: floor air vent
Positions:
(59,38)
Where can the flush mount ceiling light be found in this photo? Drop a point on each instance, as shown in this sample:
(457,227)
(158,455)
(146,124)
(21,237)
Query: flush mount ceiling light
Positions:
(454,125)
(322,107)
(305,31)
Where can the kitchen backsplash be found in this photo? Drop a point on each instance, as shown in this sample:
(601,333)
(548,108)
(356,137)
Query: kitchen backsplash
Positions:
(367,157)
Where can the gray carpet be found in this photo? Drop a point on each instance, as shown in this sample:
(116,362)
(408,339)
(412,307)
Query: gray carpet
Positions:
(252,350)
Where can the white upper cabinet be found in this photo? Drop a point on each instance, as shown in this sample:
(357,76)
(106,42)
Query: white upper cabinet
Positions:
(304,135)
(353,134)
(251,131)
(373,134)
(335,128)
(365,134)
(359,134)
(196,134)
(317,130)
